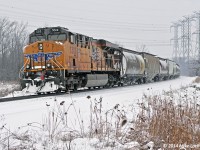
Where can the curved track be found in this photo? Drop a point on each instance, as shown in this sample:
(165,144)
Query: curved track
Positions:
(7,99)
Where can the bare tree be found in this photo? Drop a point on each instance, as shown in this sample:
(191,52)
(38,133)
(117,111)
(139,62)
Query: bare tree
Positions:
(13,37)
(142,48)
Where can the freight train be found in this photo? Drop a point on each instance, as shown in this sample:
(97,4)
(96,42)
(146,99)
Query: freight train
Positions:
(57,59)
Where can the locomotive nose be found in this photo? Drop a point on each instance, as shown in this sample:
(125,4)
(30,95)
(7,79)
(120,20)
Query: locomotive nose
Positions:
(43,55)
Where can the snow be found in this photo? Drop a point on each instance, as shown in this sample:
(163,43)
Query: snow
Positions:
(8,87)
(45,87)
(17,114)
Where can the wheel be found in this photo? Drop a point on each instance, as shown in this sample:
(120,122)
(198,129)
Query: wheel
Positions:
(58,91)
(144,80)
(75,88)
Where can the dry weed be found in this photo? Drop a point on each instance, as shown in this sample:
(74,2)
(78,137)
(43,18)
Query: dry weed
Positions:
(197,80)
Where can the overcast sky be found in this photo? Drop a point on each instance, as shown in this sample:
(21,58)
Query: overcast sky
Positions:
(130,23)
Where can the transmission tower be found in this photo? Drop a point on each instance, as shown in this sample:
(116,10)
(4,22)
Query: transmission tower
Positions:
(197,32)
(185,51)
(196,66)
(176,51)
(186,42)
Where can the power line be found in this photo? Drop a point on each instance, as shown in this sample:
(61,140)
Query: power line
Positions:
(25,11)
(81,10)
(101,25)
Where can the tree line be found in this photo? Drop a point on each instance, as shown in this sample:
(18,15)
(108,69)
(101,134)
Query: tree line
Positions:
(13,38)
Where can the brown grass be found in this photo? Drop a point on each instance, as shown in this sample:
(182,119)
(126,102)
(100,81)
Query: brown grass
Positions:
(5,90)
(171,122)
(197,80)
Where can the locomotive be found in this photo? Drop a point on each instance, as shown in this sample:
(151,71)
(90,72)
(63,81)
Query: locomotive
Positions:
(57,59)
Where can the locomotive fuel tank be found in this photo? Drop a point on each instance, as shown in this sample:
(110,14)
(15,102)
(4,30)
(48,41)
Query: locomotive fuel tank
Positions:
(132,64)
(94,80)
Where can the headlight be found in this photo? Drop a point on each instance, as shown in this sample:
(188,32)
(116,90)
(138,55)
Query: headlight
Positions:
(28,66)
(48,65)
(40,46)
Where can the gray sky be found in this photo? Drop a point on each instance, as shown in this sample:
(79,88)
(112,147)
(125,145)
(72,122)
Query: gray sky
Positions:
(128,22)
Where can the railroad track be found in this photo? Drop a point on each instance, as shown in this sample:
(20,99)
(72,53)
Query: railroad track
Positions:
(8,99)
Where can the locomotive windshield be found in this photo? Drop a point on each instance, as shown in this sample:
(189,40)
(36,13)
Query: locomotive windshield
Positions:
(49,34)
(57,37)
(37,38)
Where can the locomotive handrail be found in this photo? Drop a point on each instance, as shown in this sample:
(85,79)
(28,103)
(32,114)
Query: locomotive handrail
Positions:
(22,68)
(58,65)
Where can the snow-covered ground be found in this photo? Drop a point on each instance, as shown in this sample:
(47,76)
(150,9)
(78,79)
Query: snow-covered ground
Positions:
(20,113)
(8,87)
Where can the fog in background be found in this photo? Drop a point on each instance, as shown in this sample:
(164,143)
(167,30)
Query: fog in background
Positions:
(130,23)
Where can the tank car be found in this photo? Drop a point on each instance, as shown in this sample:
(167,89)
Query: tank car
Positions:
(132,70)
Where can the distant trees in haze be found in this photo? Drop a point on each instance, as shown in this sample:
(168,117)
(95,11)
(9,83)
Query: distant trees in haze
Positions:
(13,37)
(142,48)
